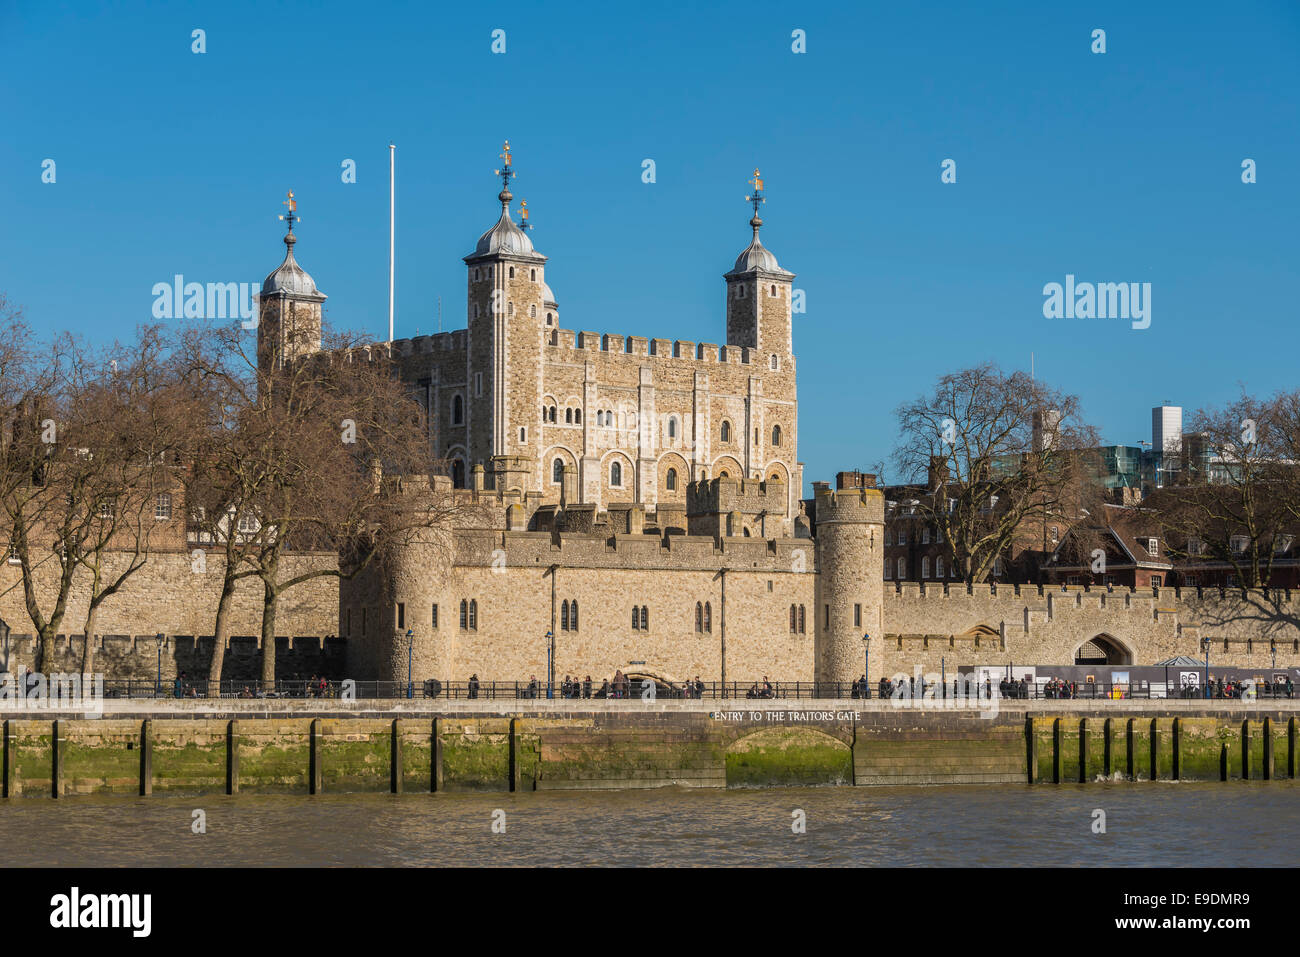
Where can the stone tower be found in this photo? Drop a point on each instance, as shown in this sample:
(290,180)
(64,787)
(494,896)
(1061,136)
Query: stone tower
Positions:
(289,313)
(507,307)
(414,578)
(850,526)
(758,295)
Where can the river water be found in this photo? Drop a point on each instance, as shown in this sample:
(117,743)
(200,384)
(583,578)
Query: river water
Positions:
(1168,824)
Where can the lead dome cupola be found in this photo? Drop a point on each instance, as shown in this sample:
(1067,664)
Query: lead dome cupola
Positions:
(756,257)
(505,238)
(290,279)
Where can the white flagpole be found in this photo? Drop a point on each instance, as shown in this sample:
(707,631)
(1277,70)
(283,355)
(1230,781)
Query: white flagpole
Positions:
(391,211)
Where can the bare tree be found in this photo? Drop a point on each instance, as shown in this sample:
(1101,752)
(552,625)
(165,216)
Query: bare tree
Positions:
(317,454)
(137,413)
(1000,455)
(1235,494)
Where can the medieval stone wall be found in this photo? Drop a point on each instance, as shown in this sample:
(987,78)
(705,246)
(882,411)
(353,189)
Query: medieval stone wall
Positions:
(177,596)
(924,624)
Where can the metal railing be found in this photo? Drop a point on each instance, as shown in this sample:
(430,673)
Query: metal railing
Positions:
(637,689)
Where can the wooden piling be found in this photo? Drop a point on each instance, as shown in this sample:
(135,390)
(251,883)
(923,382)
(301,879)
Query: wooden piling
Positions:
(314,785)
(395,759)
(1083,750)
(146,757)
(232,757)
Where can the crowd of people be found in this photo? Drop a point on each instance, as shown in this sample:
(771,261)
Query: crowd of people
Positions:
(1235,688)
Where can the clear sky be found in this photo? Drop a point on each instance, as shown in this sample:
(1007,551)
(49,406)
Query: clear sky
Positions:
(1124,166)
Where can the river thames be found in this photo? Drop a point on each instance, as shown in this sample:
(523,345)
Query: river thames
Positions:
(1160,824)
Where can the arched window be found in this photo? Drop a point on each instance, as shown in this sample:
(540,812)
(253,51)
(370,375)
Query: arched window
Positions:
(708,617)
(532,275)
(699,616)
(568,417)
(457,410)
(645,618)
(670,481)
(725,432)
(512,274)
(532,311)
(672,426)
(553,413)
(549,319)
(773,289)
(925,567)
(473,615)
(722,474)
(600,417)
(510,308)
(776,435)
(458,473)
(794,619)
(573,616)
(889,570)
(616,475)
(564,615)
(802,620)
(557,471)
(636,619)
(577,417)
(772,361)
(902,569)
(464,614)
(938,567)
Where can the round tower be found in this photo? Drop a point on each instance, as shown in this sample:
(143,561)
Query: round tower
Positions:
(849,533)
(415,583)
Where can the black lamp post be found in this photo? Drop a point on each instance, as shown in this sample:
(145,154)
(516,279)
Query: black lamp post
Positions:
(410,656)
(161,639)
(866,666)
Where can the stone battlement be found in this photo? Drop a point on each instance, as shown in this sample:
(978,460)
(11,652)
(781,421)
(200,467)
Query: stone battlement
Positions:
(633,552)
(723,495)
(848,505)
(705,352)
(1084,595)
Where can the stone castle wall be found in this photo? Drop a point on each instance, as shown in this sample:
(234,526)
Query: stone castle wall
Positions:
(176,596)
(923,624)
(519,583)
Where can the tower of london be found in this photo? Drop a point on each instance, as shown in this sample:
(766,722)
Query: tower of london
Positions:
(641,496)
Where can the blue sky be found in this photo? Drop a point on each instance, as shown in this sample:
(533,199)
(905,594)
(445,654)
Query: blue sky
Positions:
(1116,167)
